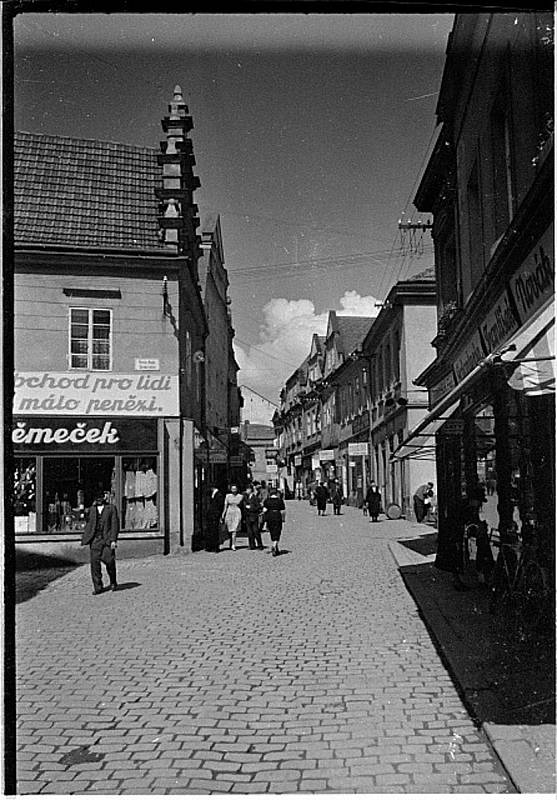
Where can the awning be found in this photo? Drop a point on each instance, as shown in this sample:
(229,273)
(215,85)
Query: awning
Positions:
(533,350)
(420,443)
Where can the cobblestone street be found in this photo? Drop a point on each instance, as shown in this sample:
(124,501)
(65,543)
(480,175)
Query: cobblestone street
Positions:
(312,672)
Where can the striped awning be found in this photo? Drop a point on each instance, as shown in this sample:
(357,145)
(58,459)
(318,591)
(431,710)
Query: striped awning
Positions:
(533,351)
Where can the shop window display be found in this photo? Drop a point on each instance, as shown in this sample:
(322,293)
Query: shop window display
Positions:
(24,495)
(70,486)
(140,488)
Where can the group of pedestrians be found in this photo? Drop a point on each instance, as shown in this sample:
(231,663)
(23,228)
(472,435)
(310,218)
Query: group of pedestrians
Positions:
(322,494)
(257,507)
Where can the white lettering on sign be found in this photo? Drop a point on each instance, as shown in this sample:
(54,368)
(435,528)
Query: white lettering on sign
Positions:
(468,358)
(94,394)
(499,324)
(533,283)
(357,449)
(80,434)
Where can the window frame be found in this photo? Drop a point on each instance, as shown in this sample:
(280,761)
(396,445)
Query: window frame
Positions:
(90,325)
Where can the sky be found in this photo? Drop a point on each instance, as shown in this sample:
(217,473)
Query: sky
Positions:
(311,133)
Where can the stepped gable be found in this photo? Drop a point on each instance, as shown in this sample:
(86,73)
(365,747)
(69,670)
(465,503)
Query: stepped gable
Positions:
(85,193)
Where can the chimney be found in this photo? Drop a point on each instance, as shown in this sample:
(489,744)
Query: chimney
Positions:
(178,220)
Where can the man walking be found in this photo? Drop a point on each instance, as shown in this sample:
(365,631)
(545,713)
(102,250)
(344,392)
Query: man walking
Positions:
(321,497)
(101,534)
(253,509)
(422,497)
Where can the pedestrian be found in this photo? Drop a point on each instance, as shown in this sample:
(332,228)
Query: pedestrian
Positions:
(275,514)
(422,498)
(336,497)
(298,490)
(321,497)
(252,512)
(101,534)
(232,514)
(215,508)
(373,501)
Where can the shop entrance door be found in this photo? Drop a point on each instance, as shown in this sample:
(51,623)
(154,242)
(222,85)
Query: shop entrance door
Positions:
(71,483)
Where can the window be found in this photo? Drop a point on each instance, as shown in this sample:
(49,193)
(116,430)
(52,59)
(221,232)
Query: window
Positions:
(24,495)
(475,225)
(90,338)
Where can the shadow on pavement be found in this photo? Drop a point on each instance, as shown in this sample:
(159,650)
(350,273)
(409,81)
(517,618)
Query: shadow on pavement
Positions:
(505,678)
(425,545)
(34,571)
(129,585)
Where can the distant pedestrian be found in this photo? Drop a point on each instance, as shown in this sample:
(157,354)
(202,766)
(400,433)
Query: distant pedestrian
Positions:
(321,497)
(101,534)
(298,490)
(373,501)
(422,499)
(252,511)
(232,515)
(275,515)
(215,508)
(336,497)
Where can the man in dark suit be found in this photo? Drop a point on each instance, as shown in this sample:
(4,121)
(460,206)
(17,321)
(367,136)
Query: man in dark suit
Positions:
(101,534)
(215,507)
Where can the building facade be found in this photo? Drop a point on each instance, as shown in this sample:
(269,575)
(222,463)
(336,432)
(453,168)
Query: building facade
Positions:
(110,335)
(222,400)
(398,348)
(489,184)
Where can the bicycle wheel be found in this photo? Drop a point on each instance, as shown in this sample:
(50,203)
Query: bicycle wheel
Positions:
(533,593)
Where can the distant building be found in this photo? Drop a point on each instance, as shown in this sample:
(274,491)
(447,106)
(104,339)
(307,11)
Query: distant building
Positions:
(256,408)
(259,440)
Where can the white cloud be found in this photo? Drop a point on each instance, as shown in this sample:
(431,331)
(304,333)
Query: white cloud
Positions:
(285,339)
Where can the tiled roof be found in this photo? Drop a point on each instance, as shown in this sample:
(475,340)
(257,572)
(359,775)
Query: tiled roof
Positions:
(353,331)
(85,193)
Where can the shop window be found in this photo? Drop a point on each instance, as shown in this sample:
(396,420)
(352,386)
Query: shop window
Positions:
(24,498)
(140,494)
(70,485)
(90,338)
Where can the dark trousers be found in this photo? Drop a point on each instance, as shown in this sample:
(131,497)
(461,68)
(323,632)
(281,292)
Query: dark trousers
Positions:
(100,551)
(336,508)
(212,540)
(419,509)
(254,535)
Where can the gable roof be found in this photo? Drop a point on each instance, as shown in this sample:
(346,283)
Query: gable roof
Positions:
(86,194)
(352,331)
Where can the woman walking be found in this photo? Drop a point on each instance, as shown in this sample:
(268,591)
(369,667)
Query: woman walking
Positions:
(232,514)
(274,517)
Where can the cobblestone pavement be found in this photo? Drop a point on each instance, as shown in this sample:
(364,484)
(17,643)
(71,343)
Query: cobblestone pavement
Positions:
(243,673)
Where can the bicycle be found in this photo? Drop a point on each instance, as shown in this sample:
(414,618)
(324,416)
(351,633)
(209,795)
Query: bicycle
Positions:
(519,584)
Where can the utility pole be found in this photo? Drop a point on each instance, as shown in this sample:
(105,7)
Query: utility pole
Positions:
(412,236)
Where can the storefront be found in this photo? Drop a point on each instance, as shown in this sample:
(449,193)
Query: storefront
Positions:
(492,417)
(76,435)
(63,463)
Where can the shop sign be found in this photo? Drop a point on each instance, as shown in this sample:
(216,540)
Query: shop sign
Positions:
(453,427)
(499,324)
(326,455)
(77,435)
(440,389)
(533,284)
(357,449)
(468,358)
(147,364)
(297,461)
(315,463)
(351,463)
(271,452)
(236,461)
(271,468)
(93,394)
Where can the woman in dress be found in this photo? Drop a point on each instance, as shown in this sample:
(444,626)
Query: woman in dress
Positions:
(232,514)
(274,517)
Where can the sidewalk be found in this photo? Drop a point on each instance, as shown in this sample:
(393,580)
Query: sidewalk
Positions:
(508,686)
